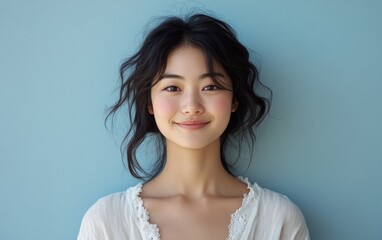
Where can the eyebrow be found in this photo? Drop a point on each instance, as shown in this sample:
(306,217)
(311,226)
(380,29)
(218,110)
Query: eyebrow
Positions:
(205,75)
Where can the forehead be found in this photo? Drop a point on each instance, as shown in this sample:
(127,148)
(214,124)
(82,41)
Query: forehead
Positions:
(188,59)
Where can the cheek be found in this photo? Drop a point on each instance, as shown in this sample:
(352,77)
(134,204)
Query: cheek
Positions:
(222,105)
(163,106)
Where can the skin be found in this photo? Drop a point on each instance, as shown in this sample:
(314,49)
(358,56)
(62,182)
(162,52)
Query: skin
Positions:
(193,197)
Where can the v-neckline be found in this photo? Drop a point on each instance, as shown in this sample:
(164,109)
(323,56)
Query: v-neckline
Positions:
(152,232)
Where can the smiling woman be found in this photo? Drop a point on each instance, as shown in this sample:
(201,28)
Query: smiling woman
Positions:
(191,110)
(192,84)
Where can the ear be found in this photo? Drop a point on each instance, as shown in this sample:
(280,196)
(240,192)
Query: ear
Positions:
(235,104)
(150,108)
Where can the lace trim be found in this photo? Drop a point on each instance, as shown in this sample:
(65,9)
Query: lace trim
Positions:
(239,219)
(151,231)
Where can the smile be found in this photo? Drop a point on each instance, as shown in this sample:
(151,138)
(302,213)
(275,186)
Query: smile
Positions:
(192,125)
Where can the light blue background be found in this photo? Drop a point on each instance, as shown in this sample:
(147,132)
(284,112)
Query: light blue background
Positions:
(320,145)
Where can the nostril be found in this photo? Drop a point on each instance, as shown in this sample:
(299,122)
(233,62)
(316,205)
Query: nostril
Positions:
(193,109)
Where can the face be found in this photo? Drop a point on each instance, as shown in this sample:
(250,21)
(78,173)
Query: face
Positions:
(190,110)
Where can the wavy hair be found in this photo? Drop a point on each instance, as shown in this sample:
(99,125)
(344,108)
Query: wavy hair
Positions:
(139,72)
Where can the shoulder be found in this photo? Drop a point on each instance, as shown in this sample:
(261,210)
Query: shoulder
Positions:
(106,206)
(278,213)
(106,214)
(273,201)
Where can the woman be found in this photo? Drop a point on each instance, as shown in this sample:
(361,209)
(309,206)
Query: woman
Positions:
(191,84)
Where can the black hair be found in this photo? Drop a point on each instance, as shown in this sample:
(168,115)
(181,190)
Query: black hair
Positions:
(139,72)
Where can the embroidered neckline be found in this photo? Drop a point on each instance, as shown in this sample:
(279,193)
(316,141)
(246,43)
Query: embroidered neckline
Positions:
(151,231)
(238,219)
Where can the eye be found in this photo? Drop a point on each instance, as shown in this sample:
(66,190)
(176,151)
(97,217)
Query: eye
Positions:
(211,88)
(172,89)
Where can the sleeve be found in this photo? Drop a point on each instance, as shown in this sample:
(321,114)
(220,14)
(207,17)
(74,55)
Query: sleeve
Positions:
(280,218)
(294,226)
(105,219)
(93,224)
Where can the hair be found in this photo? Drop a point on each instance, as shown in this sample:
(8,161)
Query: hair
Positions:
(140,72)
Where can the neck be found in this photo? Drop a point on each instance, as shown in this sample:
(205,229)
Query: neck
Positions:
(193,172)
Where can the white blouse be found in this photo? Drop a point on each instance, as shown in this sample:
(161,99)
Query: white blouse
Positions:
(263,215)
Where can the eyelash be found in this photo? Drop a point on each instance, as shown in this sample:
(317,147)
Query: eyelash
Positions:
(214,87)
(173,89)
(206,88)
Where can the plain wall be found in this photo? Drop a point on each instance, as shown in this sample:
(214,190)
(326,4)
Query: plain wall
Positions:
(320,144)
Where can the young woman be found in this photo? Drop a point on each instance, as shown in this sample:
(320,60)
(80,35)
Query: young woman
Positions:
(192,85)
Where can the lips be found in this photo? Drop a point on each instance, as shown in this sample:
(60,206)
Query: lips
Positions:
(192,125)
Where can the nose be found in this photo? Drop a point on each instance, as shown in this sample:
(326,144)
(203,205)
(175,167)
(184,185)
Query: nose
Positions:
(192,103)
